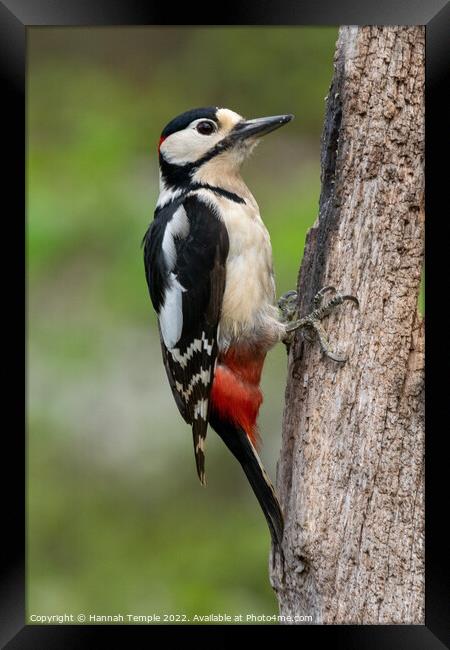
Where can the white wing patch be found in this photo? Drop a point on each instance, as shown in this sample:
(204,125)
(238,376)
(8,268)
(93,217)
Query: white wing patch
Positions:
(171,314)
(178,226)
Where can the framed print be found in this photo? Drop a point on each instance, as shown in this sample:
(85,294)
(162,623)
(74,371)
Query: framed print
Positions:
(260,329)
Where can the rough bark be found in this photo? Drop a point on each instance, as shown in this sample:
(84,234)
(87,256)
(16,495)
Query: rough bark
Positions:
(350,474)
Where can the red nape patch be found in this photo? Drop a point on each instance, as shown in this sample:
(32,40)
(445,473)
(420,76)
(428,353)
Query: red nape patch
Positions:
(161,140)
(237,401)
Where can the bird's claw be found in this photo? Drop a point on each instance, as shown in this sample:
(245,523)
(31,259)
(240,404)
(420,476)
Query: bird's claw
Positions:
(311,324)
(288,305)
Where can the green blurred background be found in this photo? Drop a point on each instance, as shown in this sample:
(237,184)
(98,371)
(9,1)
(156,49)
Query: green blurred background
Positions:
(117,521)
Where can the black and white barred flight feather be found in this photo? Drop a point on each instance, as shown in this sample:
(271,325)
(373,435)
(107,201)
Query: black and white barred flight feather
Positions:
(185,251)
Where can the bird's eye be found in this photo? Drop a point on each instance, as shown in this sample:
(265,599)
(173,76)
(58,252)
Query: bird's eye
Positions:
(205,128)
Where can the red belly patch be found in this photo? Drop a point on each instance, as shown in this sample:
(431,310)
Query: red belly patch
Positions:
(235,393)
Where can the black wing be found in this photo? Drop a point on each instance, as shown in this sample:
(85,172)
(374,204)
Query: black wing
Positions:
(185,253)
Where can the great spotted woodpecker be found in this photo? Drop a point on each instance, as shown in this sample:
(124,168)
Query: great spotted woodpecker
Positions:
(208,263)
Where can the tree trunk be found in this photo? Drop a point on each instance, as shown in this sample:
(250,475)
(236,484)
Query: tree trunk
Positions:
(350,475)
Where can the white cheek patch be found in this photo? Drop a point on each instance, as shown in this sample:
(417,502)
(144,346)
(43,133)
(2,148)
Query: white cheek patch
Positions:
(178,226)
(187,146)
(171,314)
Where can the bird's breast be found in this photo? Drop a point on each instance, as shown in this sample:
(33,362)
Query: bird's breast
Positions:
(249,290)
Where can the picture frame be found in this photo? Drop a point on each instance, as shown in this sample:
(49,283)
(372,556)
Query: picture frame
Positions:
(17,17)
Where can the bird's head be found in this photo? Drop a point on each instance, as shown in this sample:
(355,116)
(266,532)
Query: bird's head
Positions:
(205,143)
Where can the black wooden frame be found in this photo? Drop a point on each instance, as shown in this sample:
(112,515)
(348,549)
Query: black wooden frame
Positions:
(16,16)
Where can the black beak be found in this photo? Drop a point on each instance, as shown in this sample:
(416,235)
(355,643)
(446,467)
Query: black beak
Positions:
(260,126)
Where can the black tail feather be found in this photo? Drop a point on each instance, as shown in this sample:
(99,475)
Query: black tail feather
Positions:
(199,434)
(240,446)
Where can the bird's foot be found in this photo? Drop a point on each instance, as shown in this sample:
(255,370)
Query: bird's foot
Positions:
(311,324)
(288,306)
